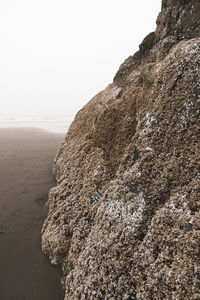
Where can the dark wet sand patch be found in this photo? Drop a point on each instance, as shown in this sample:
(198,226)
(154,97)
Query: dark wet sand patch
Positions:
(26,157)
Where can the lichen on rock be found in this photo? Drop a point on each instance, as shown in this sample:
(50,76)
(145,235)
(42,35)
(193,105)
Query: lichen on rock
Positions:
(124,219)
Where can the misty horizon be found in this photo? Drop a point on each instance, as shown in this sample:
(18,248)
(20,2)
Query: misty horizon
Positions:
(55,56)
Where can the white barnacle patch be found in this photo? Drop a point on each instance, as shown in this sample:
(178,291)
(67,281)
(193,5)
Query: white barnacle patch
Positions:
(110,94)
(130,214)
(182,196)
(187,110)
(97,171)
(134,74)
(150,120)
(138,174)
(189,49)
(198,175)
(173,209)
(181,208)
(186,49)
(54,262)
(135,171)
(149,148)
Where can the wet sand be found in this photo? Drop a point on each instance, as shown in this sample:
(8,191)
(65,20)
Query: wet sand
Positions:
(26,157)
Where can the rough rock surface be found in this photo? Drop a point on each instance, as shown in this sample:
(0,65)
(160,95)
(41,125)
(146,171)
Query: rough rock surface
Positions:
(124,219)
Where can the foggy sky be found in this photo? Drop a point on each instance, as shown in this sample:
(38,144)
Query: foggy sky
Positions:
(56,55)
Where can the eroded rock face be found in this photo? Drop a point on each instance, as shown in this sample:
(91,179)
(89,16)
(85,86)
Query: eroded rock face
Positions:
(124,218)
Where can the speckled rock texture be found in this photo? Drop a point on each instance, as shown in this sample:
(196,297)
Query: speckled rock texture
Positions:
(124,219)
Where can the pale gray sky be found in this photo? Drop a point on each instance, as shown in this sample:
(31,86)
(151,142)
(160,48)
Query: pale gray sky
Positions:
(57,54)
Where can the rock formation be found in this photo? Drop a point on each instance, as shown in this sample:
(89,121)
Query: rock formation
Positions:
(124,218)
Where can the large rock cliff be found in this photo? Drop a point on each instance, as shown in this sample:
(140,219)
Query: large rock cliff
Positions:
(124,218)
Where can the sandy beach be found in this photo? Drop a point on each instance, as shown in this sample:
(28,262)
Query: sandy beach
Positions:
(26,157)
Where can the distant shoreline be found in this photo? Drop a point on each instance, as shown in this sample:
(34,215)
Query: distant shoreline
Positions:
(57,126)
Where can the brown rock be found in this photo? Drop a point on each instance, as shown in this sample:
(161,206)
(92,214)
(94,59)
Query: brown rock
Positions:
(123,220)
